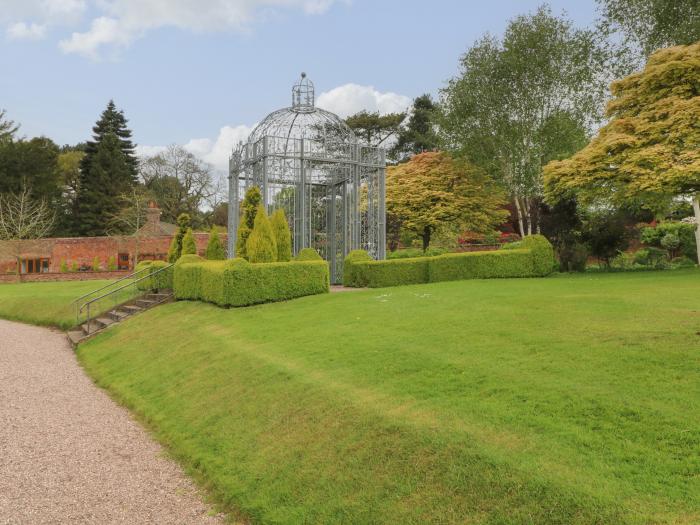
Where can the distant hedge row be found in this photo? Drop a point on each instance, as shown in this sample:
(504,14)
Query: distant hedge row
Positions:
(237,282)
(531,257)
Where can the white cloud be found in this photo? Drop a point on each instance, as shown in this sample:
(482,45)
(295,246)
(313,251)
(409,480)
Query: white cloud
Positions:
(23,31)
(124,21)
(348,99)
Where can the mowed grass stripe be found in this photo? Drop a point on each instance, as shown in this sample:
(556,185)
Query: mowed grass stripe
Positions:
(565,400)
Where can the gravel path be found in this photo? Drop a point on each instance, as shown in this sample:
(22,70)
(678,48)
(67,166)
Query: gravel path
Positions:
(69,454)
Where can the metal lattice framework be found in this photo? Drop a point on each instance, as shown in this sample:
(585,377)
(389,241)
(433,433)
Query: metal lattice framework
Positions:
(310,163)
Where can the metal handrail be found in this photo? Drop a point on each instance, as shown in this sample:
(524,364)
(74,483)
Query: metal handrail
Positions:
(132,283)
(131,275)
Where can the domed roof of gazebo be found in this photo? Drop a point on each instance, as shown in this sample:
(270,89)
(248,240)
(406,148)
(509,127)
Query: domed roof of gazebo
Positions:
(303,120)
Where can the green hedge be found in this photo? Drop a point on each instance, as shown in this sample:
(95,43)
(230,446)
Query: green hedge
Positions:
(160,281)
(308,254)
(240,283)
(531,257)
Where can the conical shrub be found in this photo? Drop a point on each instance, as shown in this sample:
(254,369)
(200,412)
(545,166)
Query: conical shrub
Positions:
(261,246)
(283,237)
(188,244)
(249,208)
(215,248)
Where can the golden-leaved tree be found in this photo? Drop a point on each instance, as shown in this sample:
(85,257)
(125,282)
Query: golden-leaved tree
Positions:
(434,189)
(649,152)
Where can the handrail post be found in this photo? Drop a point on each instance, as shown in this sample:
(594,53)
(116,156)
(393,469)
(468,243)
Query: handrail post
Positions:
(88,319)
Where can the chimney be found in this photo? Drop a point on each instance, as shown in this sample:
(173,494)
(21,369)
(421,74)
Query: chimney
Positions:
(152,217)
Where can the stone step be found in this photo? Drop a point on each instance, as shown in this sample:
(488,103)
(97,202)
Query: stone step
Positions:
(158,297)
(75,336)
(95,325)
(131,309)
(144,303)
(117,316)
(105,321)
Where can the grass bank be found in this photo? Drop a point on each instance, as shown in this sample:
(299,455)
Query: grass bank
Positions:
(572,399)
(43,303)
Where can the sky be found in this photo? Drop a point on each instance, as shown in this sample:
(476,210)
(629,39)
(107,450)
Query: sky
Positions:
(201,73)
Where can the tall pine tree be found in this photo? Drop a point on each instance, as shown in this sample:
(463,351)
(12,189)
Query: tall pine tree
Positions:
(108,170)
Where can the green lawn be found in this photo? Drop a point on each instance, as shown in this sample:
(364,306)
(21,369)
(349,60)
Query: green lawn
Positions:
(45,303)
(572,399)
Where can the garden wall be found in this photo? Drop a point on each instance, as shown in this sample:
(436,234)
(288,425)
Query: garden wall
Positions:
(531,257)
(57,276)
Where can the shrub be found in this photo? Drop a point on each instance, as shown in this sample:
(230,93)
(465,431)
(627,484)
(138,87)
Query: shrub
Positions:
(652,236)
(573,257)
(163,280)
(63,268)
(533,256)
(308,254)
(283,237)
(396,272)
(111,263)
(183,224)
(261,246)
(96,264)
(215,248)
(352,276)
(144,284)
(683,262)
(240,283)
(74,266)
(249,208)
(187,277)
(670,242)
(189,246)
(410,253)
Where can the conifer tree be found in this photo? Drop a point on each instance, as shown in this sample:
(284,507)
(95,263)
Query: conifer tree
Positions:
(108,169)
(175,250)
(189,247)
(249,208)
(261,246)
(283,237)
(215,249)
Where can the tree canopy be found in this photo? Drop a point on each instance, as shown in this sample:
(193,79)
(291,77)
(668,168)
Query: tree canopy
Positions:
(434,189)
(524,100)
(650,149)
(420,134)
(373,128)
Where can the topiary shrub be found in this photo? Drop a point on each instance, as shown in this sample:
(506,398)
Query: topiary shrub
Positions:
(351,275)
(96,264)
(163,280)
(249,208)
(189,246)
(187,277)
(215,248)
(239,283)
(395,272)
(542,254)
(183,224)
(283,237)
(261,246)
(63,268)
(516,262)
(140,270)
(74,266)
(308,254)
(111,264)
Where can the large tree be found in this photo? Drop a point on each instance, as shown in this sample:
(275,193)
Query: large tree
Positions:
(434,190)
(180,183)
(524,100)
(30,164)
(649,25)
(108,178)
(108,169)
(7,127)
(649,152)
(420,133)
(375,129)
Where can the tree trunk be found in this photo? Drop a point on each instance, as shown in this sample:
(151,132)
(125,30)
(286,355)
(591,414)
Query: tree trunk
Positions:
(519,210)
(696,210)
(426,238)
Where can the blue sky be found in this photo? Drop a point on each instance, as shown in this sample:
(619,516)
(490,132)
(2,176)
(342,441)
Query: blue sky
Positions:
(201,72)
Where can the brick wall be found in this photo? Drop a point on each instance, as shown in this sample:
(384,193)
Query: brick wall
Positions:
(71,276)
(82,250)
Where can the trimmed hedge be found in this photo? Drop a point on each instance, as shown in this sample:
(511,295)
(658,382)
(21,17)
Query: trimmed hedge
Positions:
(531,257)
(352,274)
(239,283)
(160,281)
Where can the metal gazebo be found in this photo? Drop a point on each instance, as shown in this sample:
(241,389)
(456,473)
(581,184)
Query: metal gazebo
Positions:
(310,163)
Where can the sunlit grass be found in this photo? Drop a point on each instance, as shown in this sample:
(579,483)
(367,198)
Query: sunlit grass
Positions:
(572,399)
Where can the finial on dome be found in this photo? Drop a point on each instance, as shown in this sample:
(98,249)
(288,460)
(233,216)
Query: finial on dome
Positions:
(303,94)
